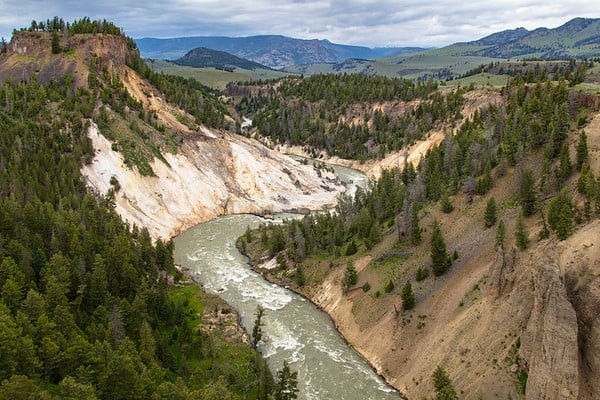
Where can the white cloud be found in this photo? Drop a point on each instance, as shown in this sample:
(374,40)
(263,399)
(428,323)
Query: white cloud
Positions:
(362,22)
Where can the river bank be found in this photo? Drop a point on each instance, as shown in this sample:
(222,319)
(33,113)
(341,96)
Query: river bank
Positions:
(294,329)
(268,269)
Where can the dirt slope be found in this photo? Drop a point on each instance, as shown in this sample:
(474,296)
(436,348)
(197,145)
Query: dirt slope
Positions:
(497,318)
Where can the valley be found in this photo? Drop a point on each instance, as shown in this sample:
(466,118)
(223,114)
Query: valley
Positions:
(468,265)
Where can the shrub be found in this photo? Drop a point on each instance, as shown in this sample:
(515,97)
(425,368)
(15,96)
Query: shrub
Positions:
(421,274)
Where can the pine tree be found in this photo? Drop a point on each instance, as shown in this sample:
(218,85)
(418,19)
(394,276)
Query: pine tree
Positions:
(490,213)
(444,390)
(500,234)
(350,277)
(257,329)
(521,234)
(565,168)
(147,344)
(439,256)
(408,297)
(527,193)
(286,387)
(55,43)
(299,276)
(390,286)
(352,248)
(560,216)
(447,206)
(582,151)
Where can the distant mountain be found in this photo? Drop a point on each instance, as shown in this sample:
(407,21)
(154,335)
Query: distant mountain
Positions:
(578,38)
(203,57)
(269,50)
(503,37)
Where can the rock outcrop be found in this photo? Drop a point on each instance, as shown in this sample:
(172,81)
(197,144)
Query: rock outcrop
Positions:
(30,56)
(549,343)
(501,272)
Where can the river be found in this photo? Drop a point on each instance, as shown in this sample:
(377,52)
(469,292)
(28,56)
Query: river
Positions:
(294,329)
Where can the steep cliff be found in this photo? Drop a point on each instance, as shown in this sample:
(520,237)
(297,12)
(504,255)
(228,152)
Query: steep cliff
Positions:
(212,174)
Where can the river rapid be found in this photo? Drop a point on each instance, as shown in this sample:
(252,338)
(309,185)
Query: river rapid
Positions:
(294,329)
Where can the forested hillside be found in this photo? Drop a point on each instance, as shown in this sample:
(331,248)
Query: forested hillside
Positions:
(349,115)
(89,306)
(202,57)
(535,119)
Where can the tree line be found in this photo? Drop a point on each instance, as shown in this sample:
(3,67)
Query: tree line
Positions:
(83,25)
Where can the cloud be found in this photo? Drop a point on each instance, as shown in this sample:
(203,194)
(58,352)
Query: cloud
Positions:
(361,22)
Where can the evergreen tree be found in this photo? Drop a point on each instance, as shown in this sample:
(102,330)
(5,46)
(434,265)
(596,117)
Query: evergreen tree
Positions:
(444,390)
(490,213)
(565,168)
(147,344)
(299,276)
(527,193)
(352,248)
(421,274)
(257,328)
(390,286)
(286,387)
(415,229)
(500,234)
(408,297)
(560,216)
(521,234)
(582,151)
(55,43)
(277,240)
(447,206)
(350,277)
(439,256)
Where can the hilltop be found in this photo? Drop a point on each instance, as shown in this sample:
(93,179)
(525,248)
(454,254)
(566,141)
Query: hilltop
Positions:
(576,39)
(203,57)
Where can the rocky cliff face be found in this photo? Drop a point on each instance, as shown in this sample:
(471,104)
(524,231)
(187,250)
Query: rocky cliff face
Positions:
(30,55)
(213,173)
(549,349)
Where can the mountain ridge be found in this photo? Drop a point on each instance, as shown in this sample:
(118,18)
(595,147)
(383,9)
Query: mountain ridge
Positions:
(270,50)
(577,38)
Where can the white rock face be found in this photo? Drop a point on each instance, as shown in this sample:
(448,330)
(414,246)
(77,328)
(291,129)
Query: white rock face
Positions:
(213,174)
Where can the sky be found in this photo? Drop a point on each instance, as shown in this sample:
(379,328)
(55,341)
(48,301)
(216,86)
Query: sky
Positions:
(358,22)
